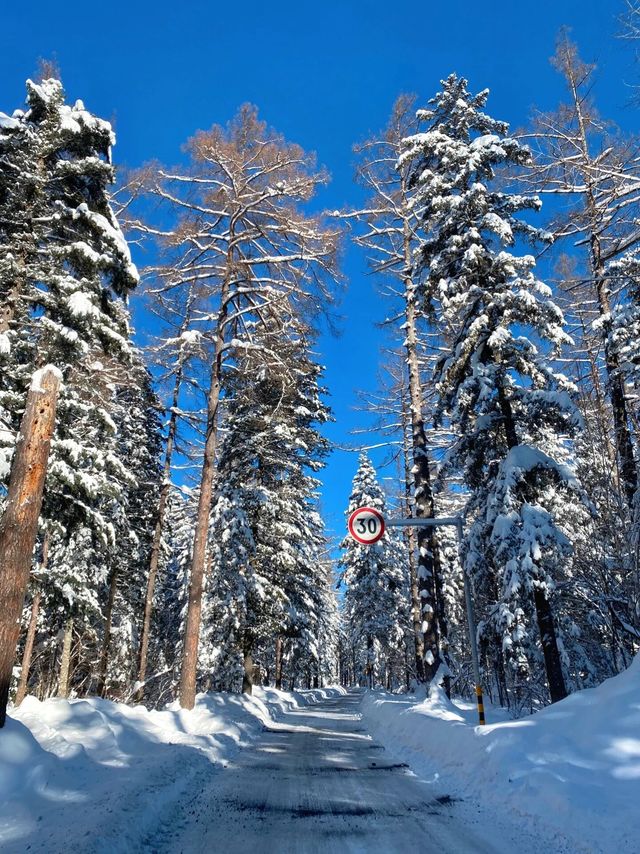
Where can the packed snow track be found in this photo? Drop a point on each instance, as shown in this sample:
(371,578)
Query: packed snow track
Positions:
(316,782)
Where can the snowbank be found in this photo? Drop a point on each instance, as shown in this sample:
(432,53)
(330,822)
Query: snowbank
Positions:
(572,769)
(95,775)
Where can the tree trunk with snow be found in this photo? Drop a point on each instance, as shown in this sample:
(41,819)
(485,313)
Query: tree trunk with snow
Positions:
(65,661)
(31,631)
(428,557)
(19,523)
(544,614)
(156,545)
(278,674)
(412,546)
(106,638)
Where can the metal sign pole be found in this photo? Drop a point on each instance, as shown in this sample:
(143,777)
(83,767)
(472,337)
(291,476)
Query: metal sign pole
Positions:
(456,522)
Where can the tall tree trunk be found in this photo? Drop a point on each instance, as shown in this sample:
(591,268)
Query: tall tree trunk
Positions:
(33,624)
(19,523)
(106,640)
(553,666)
(544,615)
(428,563)
(156,544)
(194,606)
(279,662)
(65,661)
(410,533)
(443,624)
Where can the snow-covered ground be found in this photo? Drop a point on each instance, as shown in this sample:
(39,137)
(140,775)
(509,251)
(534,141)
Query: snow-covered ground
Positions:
(96,776)
(572,769)
(65,766)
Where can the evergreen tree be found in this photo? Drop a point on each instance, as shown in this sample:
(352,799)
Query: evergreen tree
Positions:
(267,536)
(510,408)
(376,579)
(64,275)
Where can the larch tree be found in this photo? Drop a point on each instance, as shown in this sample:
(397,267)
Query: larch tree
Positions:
(242,234)
(580,157)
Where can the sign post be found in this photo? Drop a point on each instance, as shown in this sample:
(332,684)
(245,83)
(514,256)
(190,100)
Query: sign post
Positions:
(366,532)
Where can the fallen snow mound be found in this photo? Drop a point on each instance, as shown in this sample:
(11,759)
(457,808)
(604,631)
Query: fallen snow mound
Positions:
(572,769)
(79,775)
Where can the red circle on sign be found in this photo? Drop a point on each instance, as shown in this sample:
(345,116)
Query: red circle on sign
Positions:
(360,527)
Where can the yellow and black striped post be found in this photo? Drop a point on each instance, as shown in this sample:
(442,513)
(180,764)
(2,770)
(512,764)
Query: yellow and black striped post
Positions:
(480,701)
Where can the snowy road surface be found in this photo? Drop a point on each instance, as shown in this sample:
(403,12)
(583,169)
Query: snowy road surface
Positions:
(316,782)
(272,774)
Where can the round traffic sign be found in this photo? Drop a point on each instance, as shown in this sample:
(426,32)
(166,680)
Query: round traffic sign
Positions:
(366,525)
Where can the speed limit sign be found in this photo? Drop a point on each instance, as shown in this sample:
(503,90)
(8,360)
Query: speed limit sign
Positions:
(366,525)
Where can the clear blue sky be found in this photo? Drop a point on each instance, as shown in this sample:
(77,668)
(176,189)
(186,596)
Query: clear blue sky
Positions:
(325,75)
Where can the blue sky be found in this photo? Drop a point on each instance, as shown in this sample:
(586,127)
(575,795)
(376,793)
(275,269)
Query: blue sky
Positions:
(323,74)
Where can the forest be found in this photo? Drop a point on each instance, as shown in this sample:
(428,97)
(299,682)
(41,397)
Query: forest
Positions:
(181,545)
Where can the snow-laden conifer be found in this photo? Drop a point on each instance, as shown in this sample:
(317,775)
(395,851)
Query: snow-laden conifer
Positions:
(376,607)
(65,273)
(497,384)
(267,536)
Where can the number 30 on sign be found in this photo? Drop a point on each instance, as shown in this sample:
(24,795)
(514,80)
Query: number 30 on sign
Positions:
(366,525)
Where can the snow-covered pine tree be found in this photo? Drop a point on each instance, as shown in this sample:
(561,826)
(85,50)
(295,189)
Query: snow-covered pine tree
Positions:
(511,409)
(170,600)
(267,536)
(376,597)
(65,272)
(137,418)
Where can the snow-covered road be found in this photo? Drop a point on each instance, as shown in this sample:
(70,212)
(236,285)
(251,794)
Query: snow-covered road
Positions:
(316,782)
(273,773)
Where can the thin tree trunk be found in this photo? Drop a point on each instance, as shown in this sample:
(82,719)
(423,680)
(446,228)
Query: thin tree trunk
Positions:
(157,539)
(65,661)
(31,632)
(28,648)
(247,675)
(410,532)
(106,640)
(370,660)
(194,606)
(19,524)
(279,662)
(443,625)
(424,507)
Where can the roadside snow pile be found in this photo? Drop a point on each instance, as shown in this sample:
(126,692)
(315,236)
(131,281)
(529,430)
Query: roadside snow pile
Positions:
(79,770)
(572,769)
